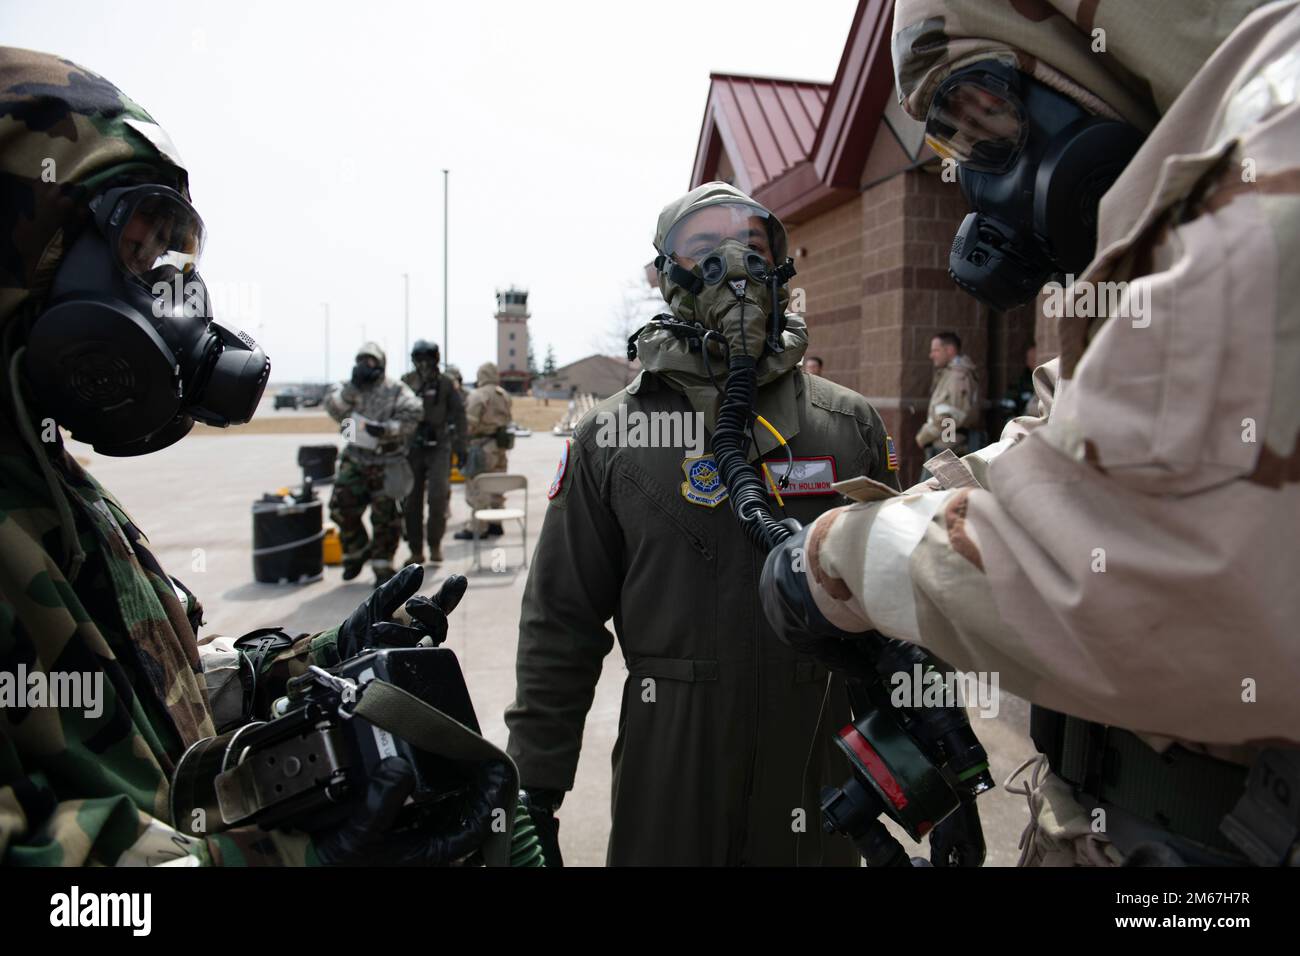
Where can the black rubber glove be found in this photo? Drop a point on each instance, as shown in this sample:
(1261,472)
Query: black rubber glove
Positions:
(541,806)
(371,624)
(958,839)
(369,838)
(376,429)
(796,619)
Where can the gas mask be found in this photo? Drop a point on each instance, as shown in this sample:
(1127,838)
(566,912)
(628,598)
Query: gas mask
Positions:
(126,355)
(719,262)
(424,355)
(364,374)
(1034,165)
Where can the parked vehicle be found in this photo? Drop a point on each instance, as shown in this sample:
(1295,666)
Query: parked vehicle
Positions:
(313,395)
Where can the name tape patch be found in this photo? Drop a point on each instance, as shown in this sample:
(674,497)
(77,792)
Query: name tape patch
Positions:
(808,476)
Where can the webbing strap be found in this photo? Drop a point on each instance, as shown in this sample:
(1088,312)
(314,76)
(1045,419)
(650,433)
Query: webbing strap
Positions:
(390,708)
(1184,792)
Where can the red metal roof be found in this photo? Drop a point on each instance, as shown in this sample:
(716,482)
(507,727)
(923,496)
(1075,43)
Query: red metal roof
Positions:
(798,147)
(767,125)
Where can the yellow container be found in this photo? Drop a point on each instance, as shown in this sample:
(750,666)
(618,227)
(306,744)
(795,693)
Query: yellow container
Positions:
(332,547)
(456,477)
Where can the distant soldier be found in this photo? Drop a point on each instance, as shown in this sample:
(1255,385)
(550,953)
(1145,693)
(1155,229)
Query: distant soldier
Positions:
(379,416)
(442,427)
(488,412)
(954,417)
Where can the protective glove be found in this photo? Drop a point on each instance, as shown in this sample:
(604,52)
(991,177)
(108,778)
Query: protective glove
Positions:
(541,806)
(376,429)
(796,619)
(958,839)
(371,624)
(369,837)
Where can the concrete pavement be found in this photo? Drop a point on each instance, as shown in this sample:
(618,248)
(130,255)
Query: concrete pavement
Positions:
(194,501)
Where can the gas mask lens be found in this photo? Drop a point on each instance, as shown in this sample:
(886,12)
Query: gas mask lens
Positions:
(978,120)
(695,236)
(714,267)
(155,234)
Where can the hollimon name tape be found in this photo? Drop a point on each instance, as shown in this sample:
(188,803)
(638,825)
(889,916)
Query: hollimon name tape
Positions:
(808,476)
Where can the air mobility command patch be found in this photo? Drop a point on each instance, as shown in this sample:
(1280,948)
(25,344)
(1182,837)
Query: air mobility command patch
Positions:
(703,485)
(891,454)
(558,481)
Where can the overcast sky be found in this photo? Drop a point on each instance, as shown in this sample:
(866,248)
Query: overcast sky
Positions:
(315,135)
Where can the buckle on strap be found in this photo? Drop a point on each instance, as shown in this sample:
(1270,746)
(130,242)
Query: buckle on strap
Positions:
(1265,823)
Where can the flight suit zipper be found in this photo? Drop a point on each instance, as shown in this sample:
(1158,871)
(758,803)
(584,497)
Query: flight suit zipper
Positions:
(757,714)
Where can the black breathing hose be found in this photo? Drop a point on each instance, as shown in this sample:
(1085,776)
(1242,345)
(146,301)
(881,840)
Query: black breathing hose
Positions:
(730,447)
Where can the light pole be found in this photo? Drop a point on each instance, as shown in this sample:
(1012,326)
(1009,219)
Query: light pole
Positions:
(406,337)
(446,342)
(326,306)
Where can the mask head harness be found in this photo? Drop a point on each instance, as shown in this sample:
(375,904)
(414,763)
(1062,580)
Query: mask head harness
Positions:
(1034,165)
(126,354)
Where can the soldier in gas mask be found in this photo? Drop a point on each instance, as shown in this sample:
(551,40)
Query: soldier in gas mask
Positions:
(379,416)
(106,331)
(1127,562)
(441,430)
(724,737)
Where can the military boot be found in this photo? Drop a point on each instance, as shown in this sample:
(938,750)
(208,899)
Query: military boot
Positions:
(353,564)
(384,571)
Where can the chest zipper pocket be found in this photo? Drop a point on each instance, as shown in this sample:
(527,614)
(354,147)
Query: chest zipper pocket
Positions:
(650,489)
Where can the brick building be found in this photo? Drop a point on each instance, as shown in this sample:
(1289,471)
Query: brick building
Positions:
(871,218)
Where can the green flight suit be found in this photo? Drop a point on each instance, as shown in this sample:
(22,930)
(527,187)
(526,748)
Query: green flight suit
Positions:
(725,735)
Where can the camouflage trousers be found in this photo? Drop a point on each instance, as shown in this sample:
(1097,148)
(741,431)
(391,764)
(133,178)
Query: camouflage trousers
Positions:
(357,487)
(494,460)
(432,469)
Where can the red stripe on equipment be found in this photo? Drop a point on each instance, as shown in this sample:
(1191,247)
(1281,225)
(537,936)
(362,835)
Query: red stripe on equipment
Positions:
(875,766)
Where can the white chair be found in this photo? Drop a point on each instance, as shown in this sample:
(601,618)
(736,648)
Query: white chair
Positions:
(497,483)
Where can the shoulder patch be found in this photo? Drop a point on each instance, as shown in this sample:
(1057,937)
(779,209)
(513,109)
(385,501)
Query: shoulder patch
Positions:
(558,481)
(891,454)
(703,485)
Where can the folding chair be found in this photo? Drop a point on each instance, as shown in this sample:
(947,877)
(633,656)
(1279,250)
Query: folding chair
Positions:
(497,483)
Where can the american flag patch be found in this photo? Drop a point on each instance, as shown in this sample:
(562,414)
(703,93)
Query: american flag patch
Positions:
(891,454)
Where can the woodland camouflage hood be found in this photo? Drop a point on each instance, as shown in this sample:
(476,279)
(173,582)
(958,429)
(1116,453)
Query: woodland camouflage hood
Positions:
(65,134)
(1134,68)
